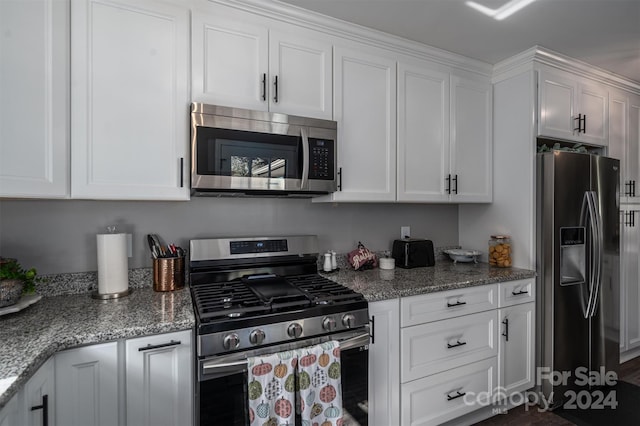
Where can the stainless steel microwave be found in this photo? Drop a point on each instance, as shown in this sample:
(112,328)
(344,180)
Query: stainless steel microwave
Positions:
(236,151)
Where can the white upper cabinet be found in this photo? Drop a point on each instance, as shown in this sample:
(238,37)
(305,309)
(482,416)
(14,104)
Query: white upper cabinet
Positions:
(471,140)
(262,65)
(423,133)
(624,141)
(365,109)
(129,93)
(34,100)
(444,136)
(572,108)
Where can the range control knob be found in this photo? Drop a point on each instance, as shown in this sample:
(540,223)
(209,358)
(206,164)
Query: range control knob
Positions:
(231,341)
(349,320)
(329,324)
(256,337)
(294,330)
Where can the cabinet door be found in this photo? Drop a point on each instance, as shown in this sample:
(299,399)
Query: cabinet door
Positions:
(34,105)
(423,133)
(471,140)
(384,364)
(39,397)
(365,109)
(159,378)
(618,133)
(633,151)
(87,385)
(630,263)
(229,62)
(593,104)
(302,67)
(9,414)
(516,348)
(130,121)
(557,102)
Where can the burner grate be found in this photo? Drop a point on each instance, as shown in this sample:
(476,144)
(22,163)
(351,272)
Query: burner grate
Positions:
(231,299)
(323,290)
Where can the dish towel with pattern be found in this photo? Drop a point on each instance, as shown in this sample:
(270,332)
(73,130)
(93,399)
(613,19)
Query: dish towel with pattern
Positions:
(320,391)
(271,382)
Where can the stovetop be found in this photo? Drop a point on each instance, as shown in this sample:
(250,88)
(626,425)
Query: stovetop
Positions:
(264,299)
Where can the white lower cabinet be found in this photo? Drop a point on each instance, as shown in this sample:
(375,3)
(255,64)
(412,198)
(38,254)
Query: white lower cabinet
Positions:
(444,396)
(34,404)
(39,398)
(516,348)
(87,385)
(159,380)
(9,415)
(436,357)
(384,363)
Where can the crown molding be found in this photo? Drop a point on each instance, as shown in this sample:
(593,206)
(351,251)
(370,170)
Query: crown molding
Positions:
(542,55)
(291,14)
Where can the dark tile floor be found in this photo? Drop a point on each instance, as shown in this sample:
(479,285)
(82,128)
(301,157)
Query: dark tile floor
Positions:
(629,372)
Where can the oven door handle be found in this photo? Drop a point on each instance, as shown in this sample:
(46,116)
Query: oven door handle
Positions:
(357,341)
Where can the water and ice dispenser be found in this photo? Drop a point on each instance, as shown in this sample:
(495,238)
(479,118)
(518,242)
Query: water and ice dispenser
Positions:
(572,255)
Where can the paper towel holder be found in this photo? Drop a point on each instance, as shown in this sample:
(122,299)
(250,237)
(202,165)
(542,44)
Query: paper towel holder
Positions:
(121,270)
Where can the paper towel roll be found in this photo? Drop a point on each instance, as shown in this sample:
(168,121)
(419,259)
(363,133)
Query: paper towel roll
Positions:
(113,263)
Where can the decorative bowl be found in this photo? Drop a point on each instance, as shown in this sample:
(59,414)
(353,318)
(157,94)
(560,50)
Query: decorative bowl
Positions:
(463,255)
(10,292)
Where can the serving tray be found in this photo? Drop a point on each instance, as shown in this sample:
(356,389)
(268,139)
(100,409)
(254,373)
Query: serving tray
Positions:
(24,302)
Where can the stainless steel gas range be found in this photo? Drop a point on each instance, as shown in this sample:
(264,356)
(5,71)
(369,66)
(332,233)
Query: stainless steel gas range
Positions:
(256,296)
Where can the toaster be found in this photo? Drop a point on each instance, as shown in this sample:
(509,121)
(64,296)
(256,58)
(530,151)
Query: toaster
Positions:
(413,253)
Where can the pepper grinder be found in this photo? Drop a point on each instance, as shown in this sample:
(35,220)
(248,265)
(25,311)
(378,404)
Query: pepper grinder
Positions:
(334,261)
(327,262)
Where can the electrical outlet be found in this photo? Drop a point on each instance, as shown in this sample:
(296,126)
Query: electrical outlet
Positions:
(405,232)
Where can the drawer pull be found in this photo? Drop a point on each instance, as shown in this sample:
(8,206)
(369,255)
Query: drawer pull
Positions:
(456,396)
(163,345)
(518,293)
(458,343)
(458,303)
(506,329)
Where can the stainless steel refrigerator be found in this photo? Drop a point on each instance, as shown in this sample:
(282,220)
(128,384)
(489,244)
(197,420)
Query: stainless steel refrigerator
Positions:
(578,268)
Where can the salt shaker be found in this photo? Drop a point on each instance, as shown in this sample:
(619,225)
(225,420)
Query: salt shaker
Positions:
(334,261)
(327,262)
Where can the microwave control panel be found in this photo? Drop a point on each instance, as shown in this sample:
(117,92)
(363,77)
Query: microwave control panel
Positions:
(321,155)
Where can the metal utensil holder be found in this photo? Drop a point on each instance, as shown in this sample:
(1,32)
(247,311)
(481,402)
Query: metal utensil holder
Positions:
(168,273)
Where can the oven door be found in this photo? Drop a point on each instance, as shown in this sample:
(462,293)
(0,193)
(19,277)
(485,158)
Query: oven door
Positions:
(221,394)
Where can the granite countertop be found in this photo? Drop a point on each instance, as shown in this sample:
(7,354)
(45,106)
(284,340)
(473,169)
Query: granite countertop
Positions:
(378,284)
(55,323)
(68,317)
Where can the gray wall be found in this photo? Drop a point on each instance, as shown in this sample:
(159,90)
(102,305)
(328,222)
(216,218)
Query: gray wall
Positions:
(60,236)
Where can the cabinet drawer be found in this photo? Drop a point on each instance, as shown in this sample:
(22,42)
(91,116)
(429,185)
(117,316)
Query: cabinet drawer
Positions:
(516,292)
(447,304)
(434,347)
(444,396)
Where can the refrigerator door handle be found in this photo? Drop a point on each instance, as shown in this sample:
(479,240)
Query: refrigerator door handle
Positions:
(590,214)
(587,219)
(599,250)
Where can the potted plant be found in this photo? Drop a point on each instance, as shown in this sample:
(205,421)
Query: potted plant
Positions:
(15,281)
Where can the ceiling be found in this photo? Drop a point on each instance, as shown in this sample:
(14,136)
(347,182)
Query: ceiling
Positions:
(604,33)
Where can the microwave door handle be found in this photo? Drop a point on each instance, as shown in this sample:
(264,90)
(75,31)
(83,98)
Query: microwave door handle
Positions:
(304,183)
